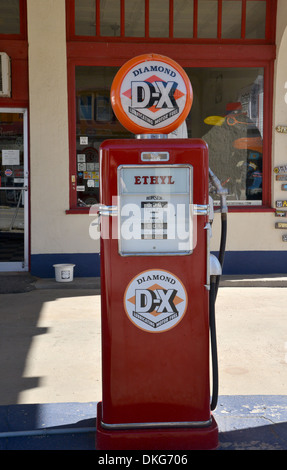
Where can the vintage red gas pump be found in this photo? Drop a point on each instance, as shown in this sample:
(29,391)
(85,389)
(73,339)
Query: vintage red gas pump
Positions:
(156,268)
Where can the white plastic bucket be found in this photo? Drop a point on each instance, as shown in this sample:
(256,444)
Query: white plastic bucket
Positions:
(64,272)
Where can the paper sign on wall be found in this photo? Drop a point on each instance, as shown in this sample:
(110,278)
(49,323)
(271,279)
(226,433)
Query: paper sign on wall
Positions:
(10,157)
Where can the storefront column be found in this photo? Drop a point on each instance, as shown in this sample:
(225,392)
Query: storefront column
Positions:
(55,236)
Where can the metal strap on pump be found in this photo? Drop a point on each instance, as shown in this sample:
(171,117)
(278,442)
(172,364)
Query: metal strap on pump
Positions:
(201,209)
(103,210)
(107,210)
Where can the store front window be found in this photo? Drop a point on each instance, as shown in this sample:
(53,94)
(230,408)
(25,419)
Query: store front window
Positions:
(194,19)
(13,19)
(95,122)
(227,113)
(10,17)
(227,48)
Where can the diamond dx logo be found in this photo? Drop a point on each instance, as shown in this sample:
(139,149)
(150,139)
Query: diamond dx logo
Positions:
(151,96)
(155,300)
(151,93)
(155,306)
(158,94)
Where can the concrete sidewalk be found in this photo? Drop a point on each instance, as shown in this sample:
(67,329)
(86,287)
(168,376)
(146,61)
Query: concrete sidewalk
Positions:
(51,370)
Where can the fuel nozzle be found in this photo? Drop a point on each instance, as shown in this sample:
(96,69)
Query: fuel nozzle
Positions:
(222,192)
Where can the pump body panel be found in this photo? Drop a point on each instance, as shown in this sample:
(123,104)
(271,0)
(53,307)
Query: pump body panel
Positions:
(155,302)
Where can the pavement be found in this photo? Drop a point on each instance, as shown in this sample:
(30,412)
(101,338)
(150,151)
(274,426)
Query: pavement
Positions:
(50,362)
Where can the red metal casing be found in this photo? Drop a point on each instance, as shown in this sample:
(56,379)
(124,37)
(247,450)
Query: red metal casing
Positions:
(163,377)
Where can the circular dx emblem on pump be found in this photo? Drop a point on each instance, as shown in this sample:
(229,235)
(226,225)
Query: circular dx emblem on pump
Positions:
(155,301)
(151,94)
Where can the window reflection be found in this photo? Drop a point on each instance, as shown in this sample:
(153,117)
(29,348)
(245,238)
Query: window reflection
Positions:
(9,17)
(255,19)
(227,113)
(182,19)
(85,14)
(207,19)
(157,21)
(231,19)
(110,17)
(134,18)
(159,18)
(96,122)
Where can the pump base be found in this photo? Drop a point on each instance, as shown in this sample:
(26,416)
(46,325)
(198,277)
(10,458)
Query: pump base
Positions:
(204,438)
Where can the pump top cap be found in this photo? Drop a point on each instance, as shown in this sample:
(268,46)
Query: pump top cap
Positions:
(151,94)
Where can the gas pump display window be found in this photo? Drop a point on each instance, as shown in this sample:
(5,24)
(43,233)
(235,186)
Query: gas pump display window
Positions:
(155,205)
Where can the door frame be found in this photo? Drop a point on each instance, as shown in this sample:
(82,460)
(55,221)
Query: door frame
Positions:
(21,265)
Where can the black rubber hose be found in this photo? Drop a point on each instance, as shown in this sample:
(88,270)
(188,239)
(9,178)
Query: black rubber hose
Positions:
(214,284)
(222,247)
(212,326)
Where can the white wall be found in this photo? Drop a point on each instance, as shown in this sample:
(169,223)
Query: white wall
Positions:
(52,231)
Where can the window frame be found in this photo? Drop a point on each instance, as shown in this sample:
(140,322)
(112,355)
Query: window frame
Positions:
(271,7)
(23,24)
(16,46)
(111,53)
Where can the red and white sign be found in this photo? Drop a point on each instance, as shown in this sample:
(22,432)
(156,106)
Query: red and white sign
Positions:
(151,94)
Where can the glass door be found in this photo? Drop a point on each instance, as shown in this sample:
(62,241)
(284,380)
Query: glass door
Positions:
(13,190)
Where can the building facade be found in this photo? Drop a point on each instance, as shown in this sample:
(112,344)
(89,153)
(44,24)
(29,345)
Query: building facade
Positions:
(58,61)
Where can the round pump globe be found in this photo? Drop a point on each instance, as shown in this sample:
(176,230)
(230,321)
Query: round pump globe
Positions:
(151,94)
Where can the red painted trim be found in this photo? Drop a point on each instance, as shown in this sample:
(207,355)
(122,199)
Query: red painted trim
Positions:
(271,12)
(171,18)
(195,16)
(244,209)
(29,192)
(17,50)
(179,41)
(70,19)
(18,53)
(79,210)
(116,53)
(23,19)
(268,126)
(98,19)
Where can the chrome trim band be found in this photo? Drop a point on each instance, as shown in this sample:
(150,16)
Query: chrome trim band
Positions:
(151,136)
(108,210)
(208,237)
(17,188)
(177,424)
(201,209)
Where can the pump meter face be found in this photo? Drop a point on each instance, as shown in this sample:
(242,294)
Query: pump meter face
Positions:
(155,209)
